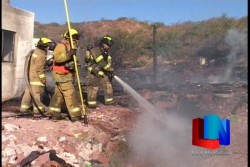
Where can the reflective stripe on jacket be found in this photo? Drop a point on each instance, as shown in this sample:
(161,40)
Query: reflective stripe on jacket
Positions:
(37,83)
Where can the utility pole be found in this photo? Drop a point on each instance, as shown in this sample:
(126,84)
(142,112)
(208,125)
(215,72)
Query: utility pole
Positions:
(154,55)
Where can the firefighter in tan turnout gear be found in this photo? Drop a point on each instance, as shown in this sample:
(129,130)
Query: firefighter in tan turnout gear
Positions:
(100,71)
(63,76)
(36,76)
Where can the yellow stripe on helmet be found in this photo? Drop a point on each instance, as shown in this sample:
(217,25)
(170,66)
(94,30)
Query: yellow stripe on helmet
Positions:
(108,38)
(45,40)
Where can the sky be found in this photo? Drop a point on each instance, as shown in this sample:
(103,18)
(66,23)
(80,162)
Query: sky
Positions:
(168,12)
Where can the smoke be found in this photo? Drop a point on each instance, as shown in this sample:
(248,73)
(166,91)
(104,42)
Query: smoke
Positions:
(238,44)
(161,138)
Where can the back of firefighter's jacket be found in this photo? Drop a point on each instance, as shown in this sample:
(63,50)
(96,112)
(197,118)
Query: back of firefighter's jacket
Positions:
(36,67)
(61,57)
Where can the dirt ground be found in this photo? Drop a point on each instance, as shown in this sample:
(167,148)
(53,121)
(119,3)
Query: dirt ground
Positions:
(126,135)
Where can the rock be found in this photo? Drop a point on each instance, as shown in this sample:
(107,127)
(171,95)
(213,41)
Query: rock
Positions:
(42,139)
(102,137)
(12,137)
(69,148)
(97,148)
(85,154)
(54,164)
(89,146)
(12,160)
(111,146)
(10,127)
(103,159)
(61,139)
(42,160)
(8,151)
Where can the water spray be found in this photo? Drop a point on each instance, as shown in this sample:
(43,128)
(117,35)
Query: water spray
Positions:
(143,102)
(160,132)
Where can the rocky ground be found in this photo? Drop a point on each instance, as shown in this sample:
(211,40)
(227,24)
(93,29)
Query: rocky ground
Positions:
(76,143)
(130,134)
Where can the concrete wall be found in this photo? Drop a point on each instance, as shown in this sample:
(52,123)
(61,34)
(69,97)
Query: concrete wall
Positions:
(5,1)
(35,40)
(21,22)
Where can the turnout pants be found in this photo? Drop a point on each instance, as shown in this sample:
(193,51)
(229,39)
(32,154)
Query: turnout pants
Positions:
(64,91)
(94,83)
(27,101)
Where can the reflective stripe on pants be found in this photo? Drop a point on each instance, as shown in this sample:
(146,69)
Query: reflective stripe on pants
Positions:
(65,91)
(109,100)
(92,103)
(55,109)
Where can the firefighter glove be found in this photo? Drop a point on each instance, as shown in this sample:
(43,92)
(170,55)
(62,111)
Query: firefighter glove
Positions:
(89,47)
(111,69)
(70,66)
(112,75)
(111,72)
(72,52)
(49,66)
(49,62)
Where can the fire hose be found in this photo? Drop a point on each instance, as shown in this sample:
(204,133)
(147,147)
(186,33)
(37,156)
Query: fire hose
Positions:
(83,108)
(36,101)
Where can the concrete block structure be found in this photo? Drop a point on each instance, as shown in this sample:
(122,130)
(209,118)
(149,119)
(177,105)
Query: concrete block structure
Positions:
(17,41)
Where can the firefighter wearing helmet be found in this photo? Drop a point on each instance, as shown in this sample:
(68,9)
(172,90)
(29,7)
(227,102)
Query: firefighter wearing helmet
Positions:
(63,75)
(99,65)
(36,76)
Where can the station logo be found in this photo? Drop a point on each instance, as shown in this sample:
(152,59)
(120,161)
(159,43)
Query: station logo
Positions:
(210,132)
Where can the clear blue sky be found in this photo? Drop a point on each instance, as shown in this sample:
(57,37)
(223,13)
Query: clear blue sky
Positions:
(164,11)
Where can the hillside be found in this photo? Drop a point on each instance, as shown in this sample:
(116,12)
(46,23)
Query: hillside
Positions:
(90,30)
(134,41)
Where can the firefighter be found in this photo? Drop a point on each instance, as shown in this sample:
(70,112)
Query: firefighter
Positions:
(63,76)
(36,76)
(100,71)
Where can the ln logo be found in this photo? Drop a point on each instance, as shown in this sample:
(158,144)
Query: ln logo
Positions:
(211,132)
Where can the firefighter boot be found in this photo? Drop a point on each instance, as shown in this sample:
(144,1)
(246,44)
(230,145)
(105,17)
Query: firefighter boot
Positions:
(74,119)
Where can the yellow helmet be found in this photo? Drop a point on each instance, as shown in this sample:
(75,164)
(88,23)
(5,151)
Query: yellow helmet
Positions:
(74,33)
(43,42)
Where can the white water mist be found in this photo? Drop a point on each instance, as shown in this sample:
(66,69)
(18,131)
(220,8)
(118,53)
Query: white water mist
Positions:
(142,102)
(160,138)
